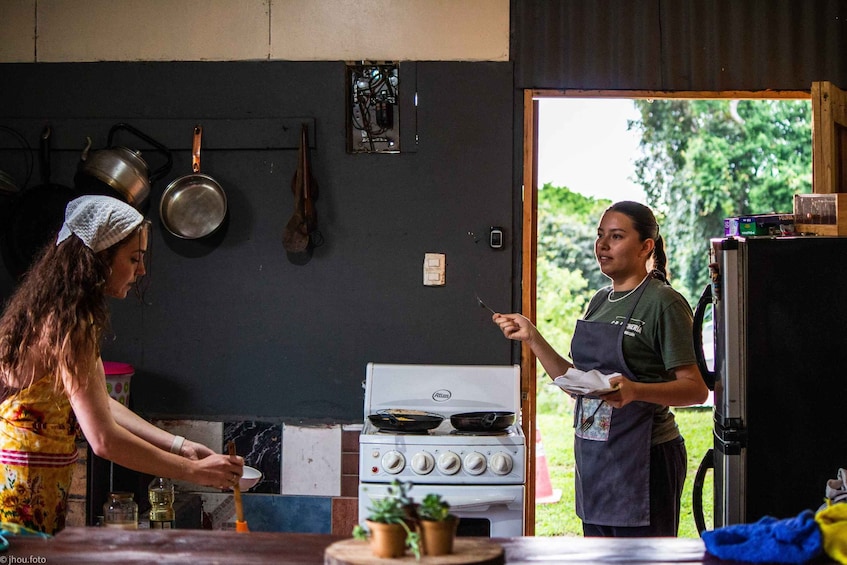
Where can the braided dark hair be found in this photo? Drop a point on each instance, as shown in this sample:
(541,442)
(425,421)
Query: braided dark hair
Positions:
(648,228)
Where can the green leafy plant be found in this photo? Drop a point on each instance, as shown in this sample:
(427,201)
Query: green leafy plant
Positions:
(396,508)
(434,508)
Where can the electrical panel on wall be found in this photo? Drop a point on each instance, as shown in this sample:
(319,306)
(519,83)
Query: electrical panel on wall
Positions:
(373,124)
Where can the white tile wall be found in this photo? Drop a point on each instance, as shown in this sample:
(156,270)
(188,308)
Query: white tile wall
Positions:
(311,460)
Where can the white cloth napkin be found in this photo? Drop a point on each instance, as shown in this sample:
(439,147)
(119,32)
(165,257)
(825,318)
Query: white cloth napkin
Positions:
(587,383)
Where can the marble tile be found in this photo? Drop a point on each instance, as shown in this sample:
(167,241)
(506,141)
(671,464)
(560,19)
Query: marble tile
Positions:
(345,515)
(350,485)
(311,460)
(350,438)
(269,513)
(75,516)
(217,510)
(350,464)
(208,433)
(301,514)
(260,444)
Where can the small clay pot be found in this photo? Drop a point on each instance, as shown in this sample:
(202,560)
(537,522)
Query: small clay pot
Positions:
(437,537)
(387,540)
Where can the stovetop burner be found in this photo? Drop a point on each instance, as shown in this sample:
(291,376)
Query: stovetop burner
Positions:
(442,455)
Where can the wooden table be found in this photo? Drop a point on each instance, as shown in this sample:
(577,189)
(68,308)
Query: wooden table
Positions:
(202,547)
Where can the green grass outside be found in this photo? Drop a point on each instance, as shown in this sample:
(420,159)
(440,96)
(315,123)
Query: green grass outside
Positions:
(559,519)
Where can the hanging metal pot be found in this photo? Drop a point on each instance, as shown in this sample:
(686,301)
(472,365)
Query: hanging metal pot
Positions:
(120,169)
(193,206)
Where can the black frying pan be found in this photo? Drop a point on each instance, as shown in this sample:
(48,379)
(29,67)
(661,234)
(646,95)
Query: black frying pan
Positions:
(405,420)
(482,421)
(36,215)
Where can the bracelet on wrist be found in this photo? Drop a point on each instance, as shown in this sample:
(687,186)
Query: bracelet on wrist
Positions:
(176,445)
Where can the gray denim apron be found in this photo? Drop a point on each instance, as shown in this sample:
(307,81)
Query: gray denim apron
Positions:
(612,476)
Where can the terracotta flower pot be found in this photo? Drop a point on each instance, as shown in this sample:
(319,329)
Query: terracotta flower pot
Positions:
(437,537)
(387,540)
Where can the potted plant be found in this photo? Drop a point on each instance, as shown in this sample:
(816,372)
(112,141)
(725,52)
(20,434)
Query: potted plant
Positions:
(388,524)
(437,525)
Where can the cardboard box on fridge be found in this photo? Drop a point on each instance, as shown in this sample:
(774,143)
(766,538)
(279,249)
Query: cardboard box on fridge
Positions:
(765,224)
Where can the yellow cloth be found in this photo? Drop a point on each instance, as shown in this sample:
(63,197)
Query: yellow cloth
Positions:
(833,523)
(37,455)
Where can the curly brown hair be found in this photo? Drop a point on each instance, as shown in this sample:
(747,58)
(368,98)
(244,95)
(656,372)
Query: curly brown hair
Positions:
(54,321)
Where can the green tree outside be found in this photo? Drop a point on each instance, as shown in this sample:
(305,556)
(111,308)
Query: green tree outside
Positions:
(702,161)
(706,160)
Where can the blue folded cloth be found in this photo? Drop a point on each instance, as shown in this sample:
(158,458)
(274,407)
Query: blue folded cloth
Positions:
(792,540)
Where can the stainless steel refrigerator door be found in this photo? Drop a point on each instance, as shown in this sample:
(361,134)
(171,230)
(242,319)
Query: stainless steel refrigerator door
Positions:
(730,483)
(783,312)
(730,313)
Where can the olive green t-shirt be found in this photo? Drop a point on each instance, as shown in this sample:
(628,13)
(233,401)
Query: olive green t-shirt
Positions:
(656,340)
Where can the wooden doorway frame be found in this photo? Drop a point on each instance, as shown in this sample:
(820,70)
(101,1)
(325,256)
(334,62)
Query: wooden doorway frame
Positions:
(529,240)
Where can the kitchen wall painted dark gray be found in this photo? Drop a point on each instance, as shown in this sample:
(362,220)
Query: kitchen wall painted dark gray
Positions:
(231,327)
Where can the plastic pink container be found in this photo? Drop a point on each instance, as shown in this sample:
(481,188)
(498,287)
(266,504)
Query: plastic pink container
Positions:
(118,376)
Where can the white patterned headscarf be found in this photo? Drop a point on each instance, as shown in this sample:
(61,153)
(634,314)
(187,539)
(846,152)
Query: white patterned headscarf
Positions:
(99,221)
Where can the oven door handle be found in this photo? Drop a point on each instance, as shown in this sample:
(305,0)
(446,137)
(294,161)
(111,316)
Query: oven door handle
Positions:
(477,503)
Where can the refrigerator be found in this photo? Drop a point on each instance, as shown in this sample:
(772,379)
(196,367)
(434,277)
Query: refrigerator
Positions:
(779,316)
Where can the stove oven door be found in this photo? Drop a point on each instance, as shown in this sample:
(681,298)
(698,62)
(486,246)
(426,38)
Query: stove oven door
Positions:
(484,510)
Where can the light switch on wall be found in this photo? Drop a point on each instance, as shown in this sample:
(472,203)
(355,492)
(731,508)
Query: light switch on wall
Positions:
(433,269)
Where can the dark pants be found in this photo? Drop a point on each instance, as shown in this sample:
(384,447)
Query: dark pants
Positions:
(668,464)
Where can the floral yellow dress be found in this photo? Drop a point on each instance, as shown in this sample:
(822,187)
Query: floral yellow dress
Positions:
(37,455)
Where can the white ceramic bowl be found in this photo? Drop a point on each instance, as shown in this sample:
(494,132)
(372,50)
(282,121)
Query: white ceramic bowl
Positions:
(249,478)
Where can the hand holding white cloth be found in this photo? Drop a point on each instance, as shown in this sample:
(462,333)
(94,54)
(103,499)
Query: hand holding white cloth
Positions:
(587,383)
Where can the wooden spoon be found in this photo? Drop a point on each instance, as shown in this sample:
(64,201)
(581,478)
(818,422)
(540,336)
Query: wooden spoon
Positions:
(240,523)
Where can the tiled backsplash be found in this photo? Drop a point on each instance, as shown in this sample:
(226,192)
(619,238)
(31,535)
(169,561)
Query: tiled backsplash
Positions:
(309,475)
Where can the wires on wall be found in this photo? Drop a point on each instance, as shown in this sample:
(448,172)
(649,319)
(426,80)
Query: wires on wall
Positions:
(373,125)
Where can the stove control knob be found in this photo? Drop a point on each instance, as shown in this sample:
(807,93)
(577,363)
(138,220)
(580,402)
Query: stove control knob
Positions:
(475,463)
(393,462)
(501,463)
(449,463)
(423,463)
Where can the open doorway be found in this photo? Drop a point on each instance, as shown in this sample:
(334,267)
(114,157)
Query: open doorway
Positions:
(558,280)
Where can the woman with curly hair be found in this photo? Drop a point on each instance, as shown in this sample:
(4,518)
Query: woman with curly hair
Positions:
(52,375)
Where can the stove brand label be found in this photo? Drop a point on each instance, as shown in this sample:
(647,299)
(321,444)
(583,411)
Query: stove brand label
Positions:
(442,395)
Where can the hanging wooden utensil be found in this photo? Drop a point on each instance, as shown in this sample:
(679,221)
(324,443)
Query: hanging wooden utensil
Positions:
(301,234)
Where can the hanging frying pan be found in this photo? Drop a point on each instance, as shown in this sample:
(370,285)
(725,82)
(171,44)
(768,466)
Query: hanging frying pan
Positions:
(9,187)
(193,206)
(36,216)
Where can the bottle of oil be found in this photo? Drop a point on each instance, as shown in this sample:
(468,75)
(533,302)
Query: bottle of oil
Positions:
(161,495)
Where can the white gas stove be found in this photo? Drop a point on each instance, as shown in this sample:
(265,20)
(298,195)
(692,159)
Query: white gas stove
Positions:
(480,473)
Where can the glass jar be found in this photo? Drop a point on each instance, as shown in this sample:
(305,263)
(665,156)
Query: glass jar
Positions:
(161,495)
(120,511)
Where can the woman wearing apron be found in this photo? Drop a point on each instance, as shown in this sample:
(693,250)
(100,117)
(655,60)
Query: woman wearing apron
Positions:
(52,378)
(630,457)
